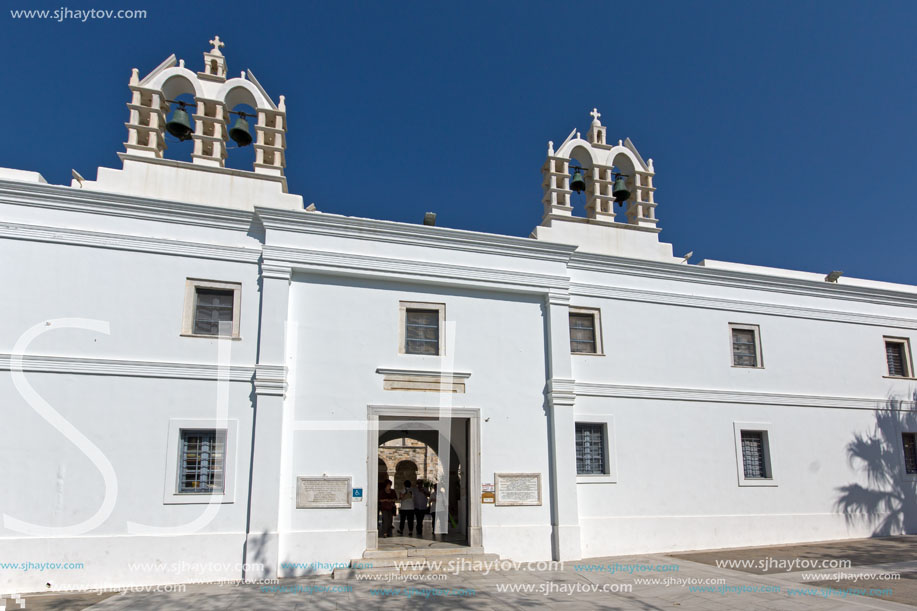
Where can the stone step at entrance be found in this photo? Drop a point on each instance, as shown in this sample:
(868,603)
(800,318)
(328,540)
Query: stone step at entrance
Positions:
(443,550)
(392,566)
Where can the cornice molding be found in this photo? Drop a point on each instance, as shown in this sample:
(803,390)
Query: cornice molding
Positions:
(441,273)
(127,368)
(277,270)
(127,206)
(121,241)
(271,380)
(731,278)
(561,392)
(735,305)
(558,297)
(458,375)
(669,393)
(411,234)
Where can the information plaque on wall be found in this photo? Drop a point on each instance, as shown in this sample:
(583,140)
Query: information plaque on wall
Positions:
(517,488)
(323,492)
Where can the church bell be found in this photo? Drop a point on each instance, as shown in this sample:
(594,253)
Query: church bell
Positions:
(180,124)
(239,132)
(578,184)
(620,190)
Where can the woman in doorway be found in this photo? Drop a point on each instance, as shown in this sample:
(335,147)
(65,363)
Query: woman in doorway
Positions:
(406,511)
(387,505)
(439,506)
(420,506)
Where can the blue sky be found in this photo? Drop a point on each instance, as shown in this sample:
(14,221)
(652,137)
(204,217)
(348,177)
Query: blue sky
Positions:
(783,133)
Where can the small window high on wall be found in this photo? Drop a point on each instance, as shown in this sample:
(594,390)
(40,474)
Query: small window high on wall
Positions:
(422,328)
(745,343)
(585,331)
(212,309)
(898,357)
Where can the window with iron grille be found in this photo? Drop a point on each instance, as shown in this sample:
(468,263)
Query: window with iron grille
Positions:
(910,452)
(896,353)
(754,460)
(421,331)
(212,307)
(746,351)
(590,449)
(582,333)
(202,461)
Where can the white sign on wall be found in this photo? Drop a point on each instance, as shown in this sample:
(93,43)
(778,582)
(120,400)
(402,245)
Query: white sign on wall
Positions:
(517,488)
(323,492)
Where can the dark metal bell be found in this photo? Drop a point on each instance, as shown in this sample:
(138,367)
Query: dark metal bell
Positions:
(180,124)
(239,132)
(578,184)
(620,190)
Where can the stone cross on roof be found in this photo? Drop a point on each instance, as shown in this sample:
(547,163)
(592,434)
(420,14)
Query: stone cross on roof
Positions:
(595,114)
(217,43)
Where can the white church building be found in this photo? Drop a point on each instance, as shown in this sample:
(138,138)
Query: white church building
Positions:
(197,370)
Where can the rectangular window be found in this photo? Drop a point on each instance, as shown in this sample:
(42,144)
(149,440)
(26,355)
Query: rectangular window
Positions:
(202,461)
(422,329)
(421,332)
(591,449)
(746,345)
(585,331)
(910,452)
(212,309)
(754,454)
(898,356)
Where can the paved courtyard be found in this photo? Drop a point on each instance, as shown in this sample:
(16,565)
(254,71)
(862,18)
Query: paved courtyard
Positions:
(858,574)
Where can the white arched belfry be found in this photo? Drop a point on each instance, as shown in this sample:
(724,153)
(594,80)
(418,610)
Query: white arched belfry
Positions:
(214,97)
(628,231)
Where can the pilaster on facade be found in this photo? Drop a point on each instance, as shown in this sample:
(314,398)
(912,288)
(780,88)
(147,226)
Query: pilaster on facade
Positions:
(268,455)
(560,395)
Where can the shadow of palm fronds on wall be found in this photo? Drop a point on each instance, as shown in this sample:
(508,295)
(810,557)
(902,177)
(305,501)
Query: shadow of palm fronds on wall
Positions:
(888,501)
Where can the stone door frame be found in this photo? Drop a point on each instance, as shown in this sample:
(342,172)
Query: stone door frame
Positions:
(473,458)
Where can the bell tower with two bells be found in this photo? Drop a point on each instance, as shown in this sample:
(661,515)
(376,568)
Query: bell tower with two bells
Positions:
(173,104)
(616,185)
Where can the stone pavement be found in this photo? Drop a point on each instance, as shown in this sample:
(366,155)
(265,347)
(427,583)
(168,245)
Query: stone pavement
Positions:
(811,577)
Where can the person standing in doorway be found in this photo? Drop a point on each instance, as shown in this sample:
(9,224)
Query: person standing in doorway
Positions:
(420,507)
(406,511)
(387,505)
(439,507)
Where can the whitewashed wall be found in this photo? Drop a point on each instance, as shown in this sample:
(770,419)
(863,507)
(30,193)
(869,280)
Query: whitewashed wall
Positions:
(665,385)
(345,329)
(120,389)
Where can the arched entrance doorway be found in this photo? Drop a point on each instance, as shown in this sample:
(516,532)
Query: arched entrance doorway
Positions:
(442,453)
